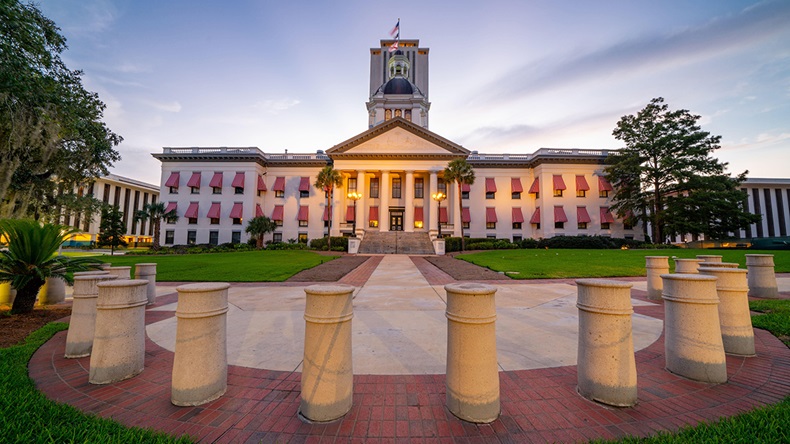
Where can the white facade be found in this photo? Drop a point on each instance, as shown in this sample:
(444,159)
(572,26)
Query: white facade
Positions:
(771,199)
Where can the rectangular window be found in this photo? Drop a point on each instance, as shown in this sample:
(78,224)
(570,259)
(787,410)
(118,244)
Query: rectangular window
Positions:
(581,193)
(302,223)
(537,195)
(213,237)
(557,193)
(302,238)
(465,225)
(279,193)
(169,237)
(582,225)
(603,193)
(442,185)
(628,225)
(191,237)
(490,225)
(194,190)
(419,187)
(537,226)
(214,221)
(490,236)
(629,236)
(278,223)
(216,190)
(235,237)
(516,225)
(374,187)
(489,195)
(238,190)
(516,239)
(396,187)
(173,190)
(559,225)
(192,220)
(464,194)
(277,237)
(352,184)
(373,224)
(236,221)
(304,193)
(604,225)
(515,195)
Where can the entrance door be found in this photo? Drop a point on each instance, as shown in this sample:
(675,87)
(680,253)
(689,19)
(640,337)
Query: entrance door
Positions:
(396,220)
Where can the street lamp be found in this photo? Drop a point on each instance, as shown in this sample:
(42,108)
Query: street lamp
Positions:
(439,197)
(355,197)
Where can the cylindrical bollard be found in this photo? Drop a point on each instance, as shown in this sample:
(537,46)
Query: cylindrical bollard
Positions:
(200,365)
(656,266)
(687,266)
(606,369)
(472,378)
(327,374)
(692,332)
(148,272)
(79,339)
(5,293)
(119,343)
(762,277)
(121,272)
(736,322)
(53,291)
(709,258)
(92,273)
(719,264)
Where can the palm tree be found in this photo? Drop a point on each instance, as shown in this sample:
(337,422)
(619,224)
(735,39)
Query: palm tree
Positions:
(258,226)
(328,179)
(156,212)
(459,171)
(31,258)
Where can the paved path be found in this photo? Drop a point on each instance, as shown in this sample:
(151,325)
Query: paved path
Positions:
(538,404)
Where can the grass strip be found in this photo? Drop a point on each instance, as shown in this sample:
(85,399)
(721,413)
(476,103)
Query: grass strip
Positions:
(774,317)
(27,416)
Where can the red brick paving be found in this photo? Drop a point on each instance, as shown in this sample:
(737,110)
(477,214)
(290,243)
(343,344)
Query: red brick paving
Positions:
(537,405)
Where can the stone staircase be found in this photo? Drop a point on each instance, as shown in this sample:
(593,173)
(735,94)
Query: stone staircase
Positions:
(395,242)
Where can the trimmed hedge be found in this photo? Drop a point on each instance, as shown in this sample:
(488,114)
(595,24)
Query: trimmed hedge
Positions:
(339,243)
(578,242)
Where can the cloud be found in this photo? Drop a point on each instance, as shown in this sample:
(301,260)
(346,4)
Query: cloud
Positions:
(276,106)
(170,107)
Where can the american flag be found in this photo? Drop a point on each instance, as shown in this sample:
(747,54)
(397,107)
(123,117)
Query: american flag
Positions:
(395,33)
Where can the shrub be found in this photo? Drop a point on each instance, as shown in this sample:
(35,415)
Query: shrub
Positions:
(339,243)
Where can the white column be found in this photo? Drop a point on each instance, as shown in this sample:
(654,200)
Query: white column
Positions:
(408,214)
(431,212)
(337,197)
(384,196)
(360,214)
(452,190)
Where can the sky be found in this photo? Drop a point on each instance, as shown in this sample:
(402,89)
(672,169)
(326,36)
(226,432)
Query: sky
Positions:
(505,76)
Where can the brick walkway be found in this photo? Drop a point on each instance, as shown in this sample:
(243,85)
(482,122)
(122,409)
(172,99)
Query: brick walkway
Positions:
(537,405)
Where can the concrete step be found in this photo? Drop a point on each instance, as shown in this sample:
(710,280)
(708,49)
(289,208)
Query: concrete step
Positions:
(395,242)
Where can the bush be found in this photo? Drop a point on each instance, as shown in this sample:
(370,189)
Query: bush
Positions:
(286,246)
(194,249)
(339,243)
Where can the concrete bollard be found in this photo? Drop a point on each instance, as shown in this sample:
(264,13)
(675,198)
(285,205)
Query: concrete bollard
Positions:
(121,272)
(92,273)
(79,339)
(5,293)
(736,322)
(119,343)
(53,291)
(200,364)
(606,364)
(656,266)
(719,265)
(147,271)
(692,332)
(762,277)
(327,373)
(472,373)
(687,266)
(709,258)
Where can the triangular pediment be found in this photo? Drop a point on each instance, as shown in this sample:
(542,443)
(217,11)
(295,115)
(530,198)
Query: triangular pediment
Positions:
(397,138)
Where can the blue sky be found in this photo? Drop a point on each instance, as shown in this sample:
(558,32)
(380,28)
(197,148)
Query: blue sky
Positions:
(505,76)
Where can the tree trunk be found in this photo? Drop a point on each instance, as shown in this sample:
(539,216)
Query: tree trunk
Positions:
(26,296)
(329,230)
(260,240)
(461,208)
(155,245)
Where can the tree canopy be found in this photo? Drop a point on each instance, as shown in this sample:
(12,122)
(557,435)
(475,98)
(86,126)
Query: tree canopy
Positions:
(259,226)
(327,180)
(111,229)
(51,131)
(665,176)
(460,172)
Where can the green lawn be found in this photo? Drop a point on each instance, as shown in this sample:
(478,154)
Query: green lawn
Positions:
(243,266)
(561,263)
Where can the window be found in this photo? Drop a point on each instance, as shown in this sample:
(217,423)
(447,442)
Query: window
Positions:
(516,195)
(236,221)
(489,195)
(169,237)
(277,237)
(442,185)
(419,188)
(214,221)
(537,195)
(302,238)
(603,193)
(278,223)
(628,225)
(194,190)
(582,225)
(235,237)
(604,225)
(374,187)
(191,237)
(559,225)
(192,221)
(557,193)
(516,225)
(396,187)
(490,225)
(303,223)
(373,224)
(213,237)
(279,193)
(465,225)
(173,190)
(581,193)
(490,236)
(216,190)
(304,193)
(352,184)
(537,226)
(238,190)
(516,239)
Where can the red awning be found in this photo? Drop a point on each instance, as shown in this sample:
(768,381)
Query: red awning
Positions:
(171,206)
(238,181)
(581,184)
(350,214)
(216,181)
(535,188)
(465,188)
(327,212)
(517,216)
(490,185)
(581,215)
(465,216)
(417,214)
(173,180)
(373,214)
(515,185)
(559,184)
(606,216)
(304,184)
(303,212)
(258,210)
(236,211)
(279,185)
(443,215)
(192,211)
(194,181)
(261,183)
(535,219)
(559,214)
(277,214)
(490,215)
(214,211)
(604,184)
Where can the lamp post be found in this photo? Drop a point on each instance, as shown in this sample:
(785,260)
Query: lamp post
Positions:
(355,197)
(439,197)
